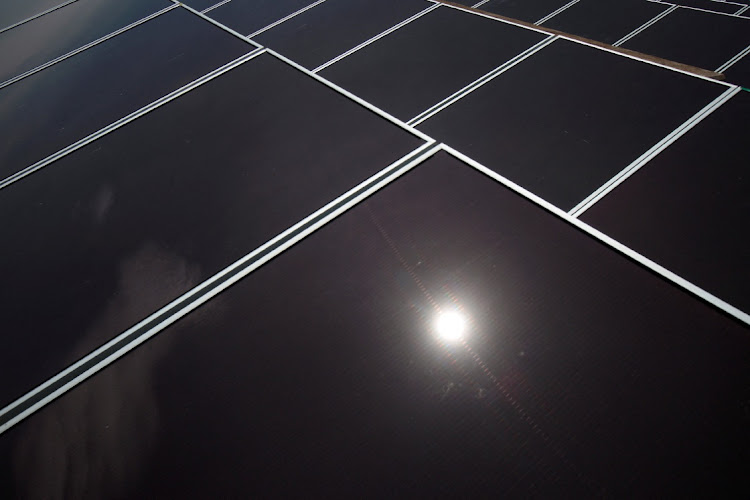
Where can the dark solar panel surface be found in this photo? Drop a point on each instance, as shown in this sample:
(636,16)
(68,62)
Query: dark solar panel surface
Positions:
(82,94)
(429,59)
(251,280)
(50,36)
(605,20)
(713,38)
(613,110)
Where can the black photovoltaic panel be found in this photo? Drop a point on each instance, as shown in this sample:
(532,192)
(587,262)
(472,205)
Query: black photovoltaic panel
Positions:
(200,5)
(319,373)
(248,16)
(103,237)
(427,60)
(605,20)
(335,26)
(15,11)
(57,33)
(579,373)
(62,104)
(525,10)
(694,37)
(712,5)
(739,72)
(565,120)
(688,207)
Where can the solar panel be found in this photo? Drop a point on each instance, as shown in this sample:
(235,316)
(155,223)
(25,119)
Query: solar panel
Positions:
(397,247)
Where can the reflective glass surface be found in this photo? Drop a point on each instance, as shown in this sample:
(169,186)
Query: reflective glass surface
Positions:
(14,11)
(605,20)
(686,208)
(248,16)
(335,26)
(101,238)
(446,337)
(429,59)
(59,105)
(564,121)
(694,37)
(57,33)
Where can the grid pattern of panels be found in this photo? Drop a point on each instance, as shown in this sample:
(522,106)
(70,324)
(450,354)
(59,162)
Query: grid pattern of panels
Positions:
(568,313)
(713,39)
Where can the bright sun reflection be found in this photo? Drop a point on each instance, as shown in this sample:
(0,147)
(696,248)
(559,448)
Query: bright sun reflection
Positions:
(450,326)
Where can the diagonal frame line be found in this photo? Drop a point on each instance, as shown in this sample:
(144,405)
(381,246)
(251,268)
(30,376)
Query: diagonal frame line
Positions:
(214,6)
(556,12)
(636,165)
(607,240)
(284,19)
(579,41)
(460,94)
(377,37)
(218,24)
(733,60)
(84,47)
(351,96)
(645,25)
(128,118)
(167,315)
(35,16)
(697,8)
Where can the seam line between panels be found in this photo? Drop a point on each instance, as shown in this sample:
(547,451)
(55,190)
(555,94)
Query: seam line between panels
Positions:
(653,63)
(128,118)
(660,146)
(284,19)
(695,8)
(351,96)
(732,61)
(607,240)
(209,9)
(556,12)
(84,47)
(494,18)
(87,366)
(645,25)
(479,82)
(598,47)
(376,37)
(40,14)
(218,24)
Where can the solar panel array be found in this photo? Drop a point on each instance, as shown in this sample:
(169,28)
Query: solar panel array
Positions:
(284,247)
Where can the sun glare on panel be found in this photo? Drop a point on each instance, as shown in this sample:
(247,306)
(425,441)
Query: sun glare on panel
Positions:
(450,326)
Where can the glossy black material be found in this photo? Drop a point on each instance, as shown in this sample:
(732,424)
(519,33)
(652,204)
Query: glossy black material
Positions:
(739,72)
(335,26)
(57,33)
(564,121)
(525,10)
(248,16)
(57,106)
(429,59)
(605,20)
(101,238)
(694,37)
(687,209)
(201,5)
(712,5)
(320,375)
(14,11)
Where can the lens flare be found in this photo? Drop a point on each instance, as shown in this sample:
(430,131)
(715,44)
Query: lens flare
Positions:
(450,326)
